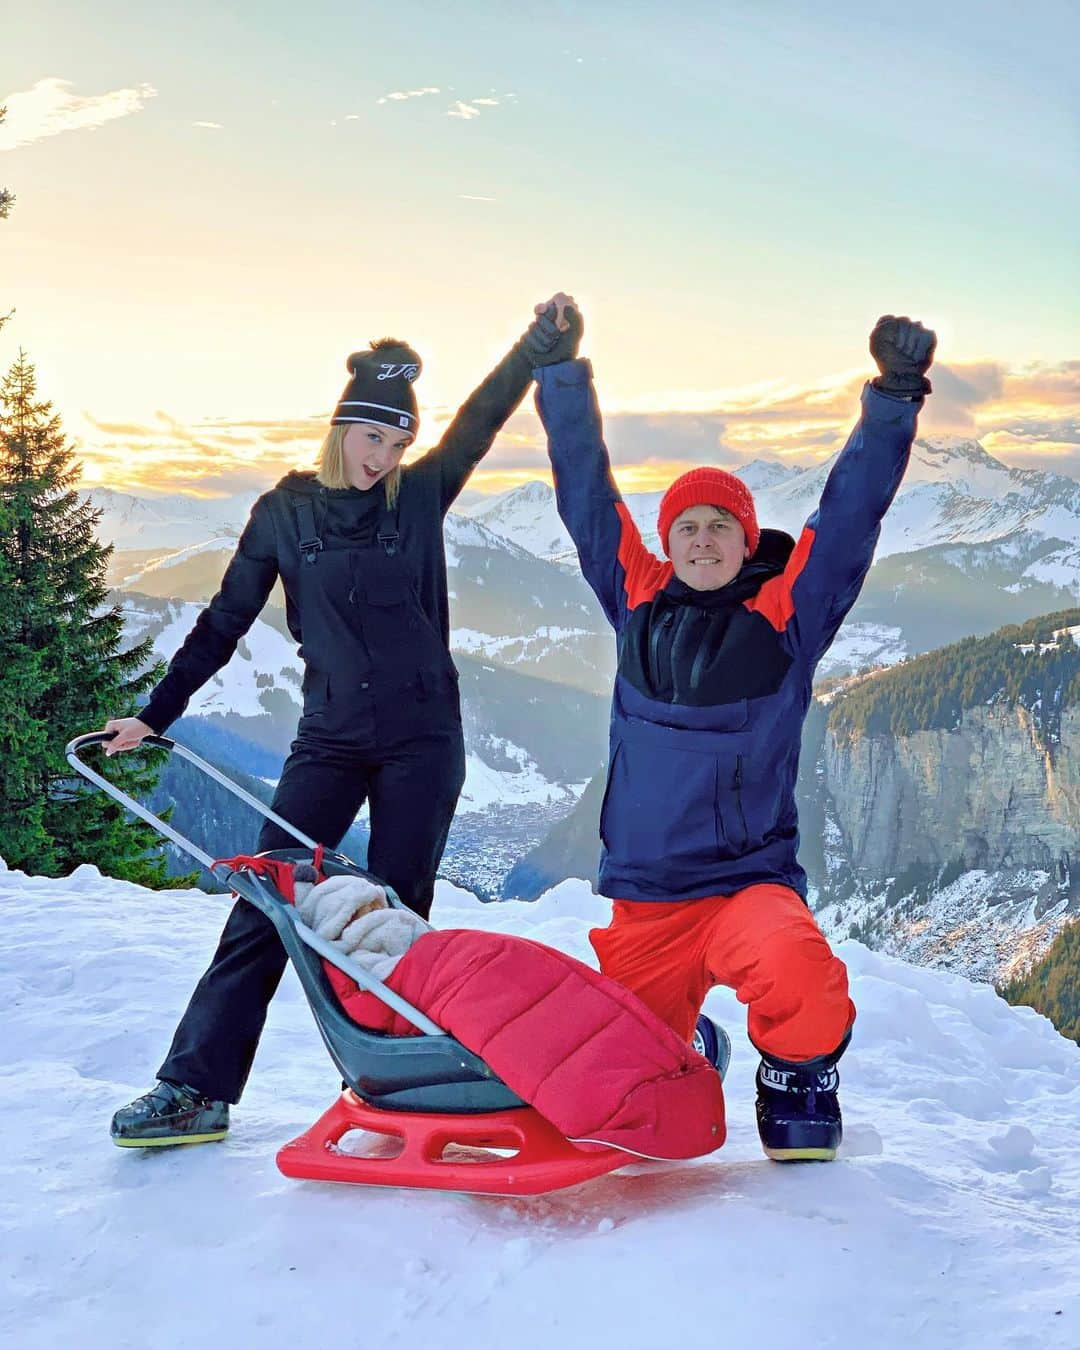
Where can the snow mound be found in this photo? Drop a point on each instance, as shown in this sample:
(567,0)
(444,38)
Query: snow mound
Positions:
(952,1218)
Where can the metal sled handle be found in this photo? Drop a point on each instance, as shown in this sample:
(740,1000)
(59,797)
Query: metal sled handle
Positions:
(353,969)
(166,743)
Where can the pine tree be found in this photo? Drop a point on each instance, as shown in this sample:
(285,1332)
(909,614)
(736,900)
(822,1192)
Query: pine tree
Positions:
(62,670)
(7,201)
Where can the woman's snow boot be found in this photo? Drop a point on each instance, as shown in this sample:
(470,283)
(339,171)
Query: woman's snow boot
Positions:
(798,1113)
(169,1113)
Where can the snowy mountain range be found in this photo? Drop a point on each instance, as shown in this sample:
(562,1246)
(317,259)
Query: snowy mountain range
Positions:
(953,492)
(161,525)
(969,545)
(950,1220)
(531,743)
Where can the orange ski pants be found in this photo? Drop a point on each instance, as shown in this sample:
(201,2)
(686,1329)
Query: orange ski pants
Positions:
(762,942)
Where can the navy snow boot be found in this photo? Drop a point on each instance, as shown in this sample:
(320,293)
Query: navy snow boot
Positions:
(169,1114)
(798,1113)
(713,1042)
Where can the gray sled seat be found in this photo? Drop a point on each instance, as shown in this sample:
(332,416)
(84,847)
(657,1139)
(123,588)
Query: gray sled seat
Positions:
(399,1073)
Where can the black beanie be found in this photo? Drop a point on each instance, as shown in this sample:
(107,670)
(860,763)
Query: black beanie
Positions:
(381,387)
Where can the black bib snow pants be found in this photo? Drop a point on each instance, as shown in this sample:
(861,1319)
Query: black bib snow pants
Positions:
(382,724)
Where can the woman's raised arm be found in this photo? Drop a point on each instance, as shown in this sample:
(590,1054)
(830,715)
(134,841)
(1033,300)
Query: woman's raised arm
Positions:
(552,336)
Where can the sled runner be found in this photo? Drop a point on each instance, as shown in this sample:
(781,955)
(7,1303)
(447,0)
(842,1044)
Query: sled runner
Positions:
(451,1123)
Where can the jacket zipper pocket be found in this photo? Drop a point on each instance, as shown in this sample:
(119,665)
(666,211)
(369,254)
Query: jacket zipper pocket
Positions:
(607,793)
(739,800)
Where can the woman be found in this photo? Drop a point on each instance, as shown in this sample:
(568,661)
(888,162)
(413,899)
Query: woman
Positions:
(358,546)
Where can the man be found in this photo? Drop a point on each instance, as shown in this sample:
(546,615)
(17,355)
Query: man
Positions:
(718,644)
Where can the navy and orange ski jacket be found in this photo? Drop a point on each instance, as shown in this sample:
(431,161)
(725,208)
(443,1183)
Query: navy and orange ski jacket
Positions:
(700,797)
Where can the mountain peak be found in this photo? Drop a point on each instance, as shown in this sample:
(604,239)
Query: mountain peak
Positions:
(535,493)
(765,473)
(959,448)
(528,516)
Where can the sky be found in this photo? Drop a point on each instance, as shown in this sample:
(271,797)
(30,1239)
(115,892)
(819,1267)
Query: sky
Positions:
(216,204)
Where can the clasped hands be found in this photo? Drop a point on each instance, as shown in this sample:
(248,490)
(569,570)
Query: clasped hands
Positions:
(555,333)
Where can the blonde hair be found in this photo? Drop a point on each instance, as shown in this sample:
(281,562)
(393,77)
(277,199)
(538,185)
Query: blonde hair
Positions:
(330,467)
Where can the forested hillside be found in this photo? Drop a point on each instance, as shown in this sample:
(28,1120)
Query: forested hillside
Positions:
(1052,985)
(1022,664)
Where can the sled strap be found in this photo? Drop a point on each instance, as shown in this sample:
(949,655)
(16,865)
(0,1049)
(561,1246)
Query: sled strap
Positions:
(310,543)
(280,872)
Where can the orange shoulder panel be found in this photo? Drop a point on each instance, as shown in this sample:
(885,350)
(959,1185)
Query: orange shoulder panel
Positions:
(645,573)
(774,601)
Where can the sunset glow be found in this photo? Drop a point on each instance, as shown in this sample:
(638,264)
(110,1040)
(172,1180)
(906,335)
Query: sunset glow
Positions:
(199,240)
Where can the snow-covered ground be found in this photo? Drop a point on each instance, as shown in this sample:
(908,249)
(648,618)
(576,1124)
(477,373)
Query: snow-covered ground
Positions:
(987,925)
(513,648)
(858,646)
(950,1221)
(486,787)
(265,659)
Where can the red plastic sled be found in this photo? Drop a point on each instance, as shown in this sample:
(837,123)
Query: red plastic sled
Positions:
(435,1147)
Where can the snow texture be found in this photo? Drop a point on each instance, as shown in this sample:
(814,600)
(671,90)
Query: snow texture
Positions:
(950,1220)
(264,659)
(859,646)
(486,787)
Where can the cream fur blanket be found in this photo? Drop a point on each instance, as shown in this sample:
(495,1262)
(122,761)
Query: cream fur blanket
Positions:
(353,914)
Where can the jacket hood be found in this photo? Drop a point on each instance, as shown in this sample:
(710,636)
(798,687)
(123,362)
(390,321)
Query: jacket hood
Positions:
(300,480)
(773,551)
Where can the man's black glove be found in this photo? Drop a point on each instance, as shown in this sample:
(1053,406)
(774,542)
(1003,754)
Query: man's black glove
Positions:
(546,344)
(903,350)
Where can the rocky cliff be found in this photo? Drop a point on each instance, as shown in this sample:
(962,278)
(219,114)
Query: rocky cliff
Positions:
(990,792)
(947,793)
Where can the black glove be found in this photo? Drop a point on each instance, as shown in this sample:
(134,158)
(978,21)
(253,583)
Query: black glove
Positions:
(903,350)
(545,344)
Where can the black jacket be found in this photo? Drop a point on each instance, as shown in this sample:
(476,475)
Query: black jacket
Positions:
(698,648)
(370,625)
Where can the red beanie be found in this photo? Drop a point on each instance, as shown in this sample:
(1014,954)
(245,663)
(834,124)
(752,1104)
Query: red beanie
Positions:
(709,487)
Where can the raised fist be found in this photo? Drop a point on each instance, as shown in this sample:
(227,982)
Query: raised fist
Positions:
(903,350)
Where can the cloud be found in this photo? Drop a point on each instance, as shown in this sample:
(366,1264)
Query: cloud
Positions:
(959,393)
(210,126)
(1034,423)
(1027,417)
(1040,453)
(468,197)
(50,108)
(467,109)
(216,457)
(400,95)
(463,109)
